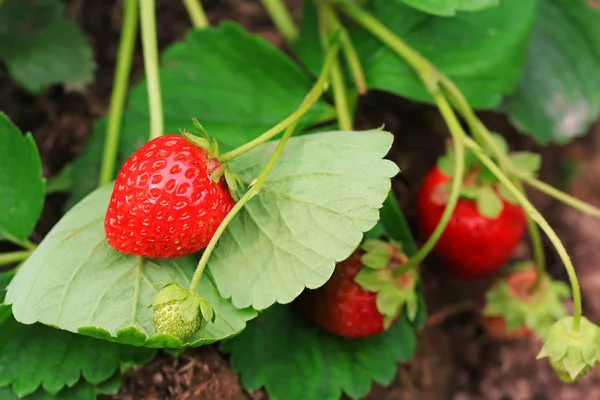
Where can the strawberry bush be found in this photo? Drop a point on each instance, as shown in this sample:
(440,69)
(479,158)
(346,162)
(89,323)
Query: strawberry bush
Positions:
(229,197)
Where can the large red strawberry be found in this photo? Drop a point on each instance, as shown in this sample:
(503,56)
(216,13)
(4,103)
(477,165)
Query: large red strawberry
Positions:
(363,297)
(484,229)
(167,200)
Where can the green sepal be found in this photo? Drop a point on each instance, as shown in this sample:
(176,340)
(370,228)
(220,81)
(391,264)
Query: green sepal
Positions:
(537,312)
(488,202)
(446,162)
(190,308)
(526,162)
(377,254)
(392,297)
(208,313)
(232,181)
(171,292)
(506,194)
(571,354)
(198,141)
(372,280)
(200,129)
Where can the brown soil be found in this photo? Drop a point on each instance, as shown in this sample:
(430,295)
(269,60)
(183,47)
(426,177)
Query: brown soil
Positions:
(455,358)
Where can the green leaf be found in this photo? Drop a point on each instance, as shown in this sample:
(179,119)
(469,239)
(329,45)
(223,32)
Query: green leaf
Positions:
(81,391)
(294,360)
(558,97)
(323,193)
(34,356)
(41,47)
(448,8)
(62,182)
(488,202)
(481,52)
(21,181)
(396,225)
(236,84)
(527,162)
(74,280)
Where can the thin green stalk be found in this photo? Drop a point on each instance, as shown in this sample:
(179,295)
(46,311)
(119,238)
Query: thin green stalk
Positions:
(313,96)
(535,237)
(13,257)
(282,19)
(539,219)
(26,244)
(349,51)
(250,193)
(119,90)
(340,97)
(150,48)
(196,13)
(457,132)
(561,196)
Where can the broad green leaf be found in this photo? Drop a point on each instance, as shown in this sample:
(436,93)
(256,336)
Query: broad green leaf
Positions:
(81,391)
(74,280)
(558,97)
(396,226)
(41,47)
(449,8)
(38,356)
(236,84)
(62,182)
(488,202)
(481,52)
(294,360)
(21,182)
(527,162)
(323,193)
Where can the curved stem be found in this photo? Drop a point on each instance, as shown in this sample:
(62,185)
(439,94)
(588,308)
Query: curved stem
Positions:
(459,170)
(253,190)
(561,196)
(313,96)
(13,257)
(350,54)
(539,257)
(541,221)
(340,98)
(119,91)
(150,48)
(196,13)
(282,19)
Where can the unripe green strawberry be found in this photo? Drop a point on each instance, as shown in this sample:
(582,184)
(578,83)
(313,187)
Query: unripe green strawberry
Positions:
(179,313)
(168,320)
(563,374)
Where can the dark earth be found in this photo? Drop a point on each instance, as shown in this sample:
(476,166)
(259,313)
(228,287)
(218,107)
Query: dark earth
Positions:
(455,358)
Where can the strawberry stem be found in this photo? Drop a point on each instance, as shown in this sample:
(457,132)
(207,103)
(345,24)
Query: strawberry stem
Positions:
(13,257)
(196,13)
(150,50)
(260,180)
(340,97)
(119,91)
(282,19)
(311,98)
(456,131)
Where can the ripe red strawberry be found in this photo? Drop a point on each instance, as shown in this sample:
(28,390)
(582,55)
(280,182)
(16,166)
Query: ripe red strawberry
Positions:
(359,300)
(165,202)
(472,245)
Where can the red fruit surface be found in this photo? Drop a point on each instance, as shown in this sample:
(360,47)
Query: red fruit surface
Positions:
(164,203)
(341,306)
(472,246)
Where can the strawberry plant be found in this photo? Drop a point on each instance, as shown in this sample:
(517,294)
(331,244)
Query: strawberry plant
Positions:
(230,197)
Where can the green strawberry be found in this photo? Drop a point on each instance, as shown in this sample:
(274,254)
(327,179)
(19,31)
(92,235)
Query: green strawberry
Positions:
(179,313)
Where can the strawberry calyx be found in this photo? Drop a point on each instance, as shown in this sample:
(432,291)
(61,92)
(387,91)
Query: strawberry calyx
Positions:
(214,169)
(179,313)
(380,259)
(512,299)
(480,184)
(572,354)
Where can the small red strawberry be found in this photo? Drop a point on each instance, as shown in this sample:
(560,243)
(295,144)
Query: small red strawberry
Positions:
(167,201)
(484,229)
(363,297)
(514,310)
